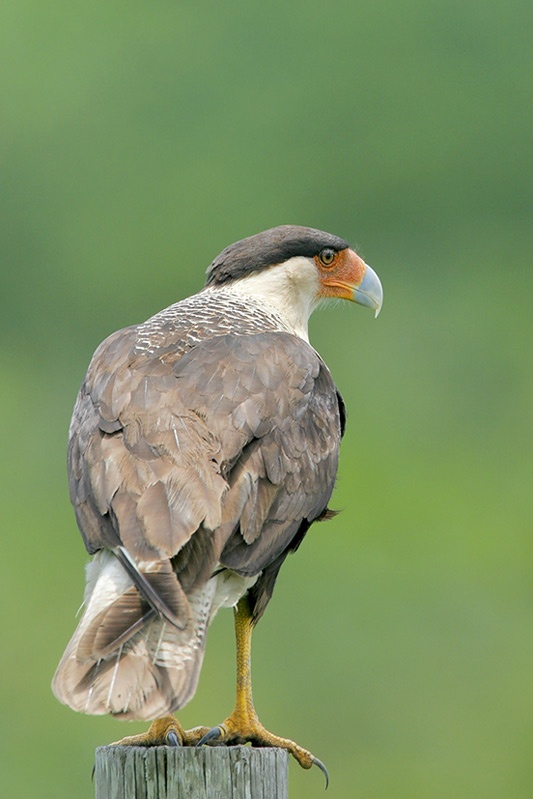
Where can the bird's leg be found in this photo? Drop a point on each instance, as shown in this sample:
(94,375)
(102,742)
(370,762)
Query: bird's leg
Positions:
(243,725)
(166,731)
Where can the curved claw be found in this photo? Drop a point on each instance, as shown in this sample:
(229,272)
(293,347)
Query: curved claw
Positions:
(323,769)
(213,735)
(172,738)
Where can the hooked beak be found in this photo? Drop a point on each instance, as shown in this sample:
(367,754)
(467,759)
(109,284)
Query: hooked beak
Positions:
(369,292)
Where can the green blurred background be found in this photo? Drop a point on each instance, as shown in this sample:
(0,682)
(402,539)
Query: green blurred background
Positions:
(140,139)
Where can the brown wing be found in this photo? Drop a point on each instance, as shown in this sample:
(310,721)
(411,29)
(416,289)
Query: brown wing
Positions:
(278,419)
(140,462)
(235,444)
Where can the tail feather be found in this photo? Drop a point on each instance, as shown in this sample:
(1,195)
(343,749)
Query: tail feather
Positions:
(160,588)
(113,627)
(125,659)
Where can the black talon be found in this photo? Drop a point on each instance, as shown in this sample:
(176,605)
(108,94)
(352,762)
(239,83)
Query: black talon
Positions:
(172,738)
(213,735)
(323,769)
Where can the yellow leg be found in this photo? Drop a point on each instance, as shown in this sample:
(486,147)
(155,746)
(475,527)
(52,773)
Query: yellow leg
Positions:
(243,725)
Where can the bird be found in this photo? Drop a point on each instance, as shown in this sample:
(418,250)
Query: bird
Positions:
(204,443)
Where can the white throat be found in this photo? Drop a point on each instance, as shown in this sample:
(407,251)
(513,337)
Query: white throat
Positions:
(290,288)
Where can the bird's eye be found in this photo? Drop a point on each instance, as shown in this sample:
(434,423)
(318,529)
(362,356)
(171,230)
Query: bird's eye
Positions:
(327,256)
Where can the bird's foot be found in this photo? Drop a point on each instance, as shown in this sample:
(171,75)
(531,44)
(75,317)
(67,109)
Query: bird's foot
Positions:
(241,728)
(165,732)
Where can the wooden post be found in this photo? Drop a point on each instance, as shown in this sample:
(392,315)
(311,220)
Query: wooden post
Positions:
(207,772)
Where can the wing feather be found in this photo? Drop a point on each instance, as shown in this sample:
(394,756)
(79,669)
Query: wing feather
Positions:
(186,425)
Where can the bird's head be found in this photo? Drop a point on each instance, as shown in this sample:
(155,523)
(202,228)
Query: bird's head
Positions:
(293,268)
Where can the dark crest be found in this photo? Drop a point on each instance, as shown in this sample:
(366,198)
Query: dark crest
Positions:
(265,249)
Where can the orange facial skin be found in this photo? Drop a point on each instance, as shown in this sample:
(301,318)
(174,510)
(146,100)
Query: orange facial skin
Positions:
(341,277)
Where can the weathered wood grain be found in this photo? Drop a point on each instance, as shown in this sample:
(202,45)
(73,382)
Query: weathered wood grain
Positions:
(209,772)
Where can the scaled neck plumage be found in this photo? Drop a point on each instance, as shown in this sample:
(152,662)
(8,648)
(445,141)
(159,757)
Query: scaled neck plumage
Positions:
(289,289)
